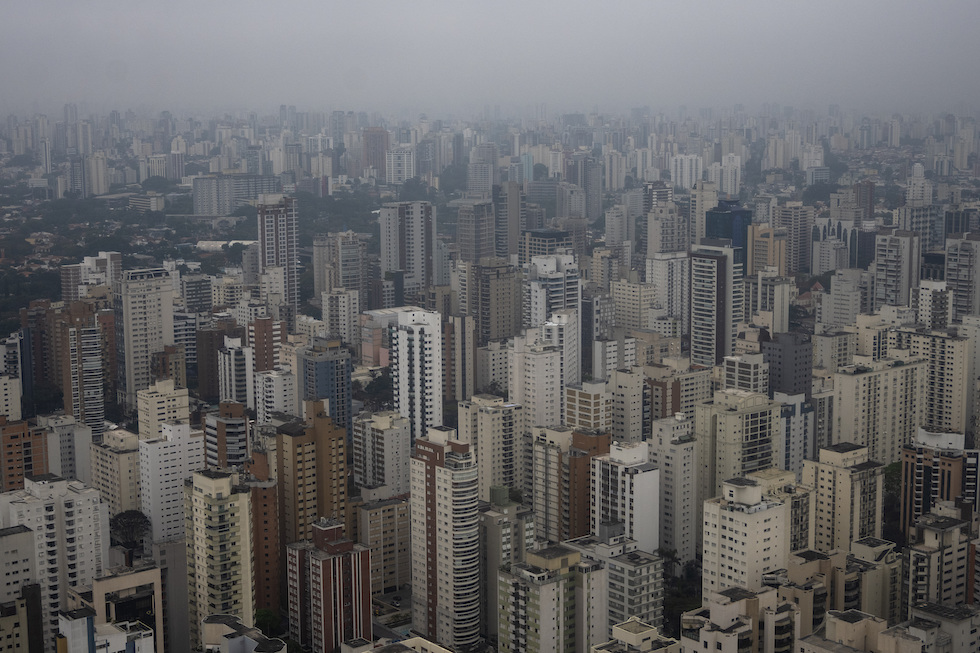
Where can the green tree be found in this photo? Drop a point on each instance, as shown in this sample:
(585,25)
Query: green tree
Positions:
(540,171)
(267,621)
(158,184)
(415,190)
(129,527)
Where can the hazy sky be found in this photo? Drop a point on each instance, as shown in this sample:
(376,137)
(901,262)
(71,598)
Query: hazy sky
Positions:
(445,56)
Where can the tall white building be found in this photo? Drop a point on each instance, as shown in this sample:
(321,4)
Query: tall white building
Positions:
(400,164)
(674,450)
(417,369)
(731,174)
(745,536)
(625,490)
(408,241)
(446,565)
(897,261)
(235,372)
(279,241)
(717,303)
(670,274)
(534,381)
(563,329)
(382,446)
(166,461)
(553,283)
(71,538)
(144,306)
(341,314)
(493,428)
(685,169)
(275,392)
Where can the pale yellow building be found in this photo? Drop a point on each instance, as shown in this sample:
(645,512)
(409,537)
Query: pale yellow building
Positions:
(849,489)
(116,470)
(161,402)
(218,535)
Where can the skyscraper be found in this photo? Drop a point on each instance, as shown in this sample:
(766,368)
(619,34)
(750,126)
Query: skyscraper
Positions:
(218,525)
(417,369)
(717,302)
(408,240)
(324,370)
(279,241)
(896,266)
(445,540)
(143,301)
(475,230)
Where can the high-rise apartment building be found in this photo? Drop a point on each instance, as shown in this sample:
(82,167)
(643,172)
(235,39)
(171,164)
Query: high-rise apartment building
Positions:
(408,243)
(417,369)
(475,230)
(226,436)
(867,414)
(625,491)
(311,460)
(143,301)
(543,602)
(962,273)
(798,221)
(279,242)
(704,197)
(849,490)
(560,480)
(100,270)
(445,539)
(218,527)
(329,588)
(949,370)
(717,303)
(71,538)
(685,170)
(116,471)
(382,445)
(738,433)
(673,450)
(745,536)
(161,402)
(165,462)
(552,283)
(896,267)
(493,427)
(23,453)
(937,467)
(510,217)
(385,526)
(323,372)
(939,562)
(506,535)
(670,275)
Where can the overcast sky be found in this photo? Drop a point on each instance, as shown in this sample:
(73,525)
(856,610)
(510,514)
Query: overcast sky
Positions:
(456,56)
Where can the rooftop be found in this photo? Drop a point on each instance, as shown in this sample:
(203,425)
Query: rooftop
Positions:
(738,593)
(948,612)
(554,552)
(844,447)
